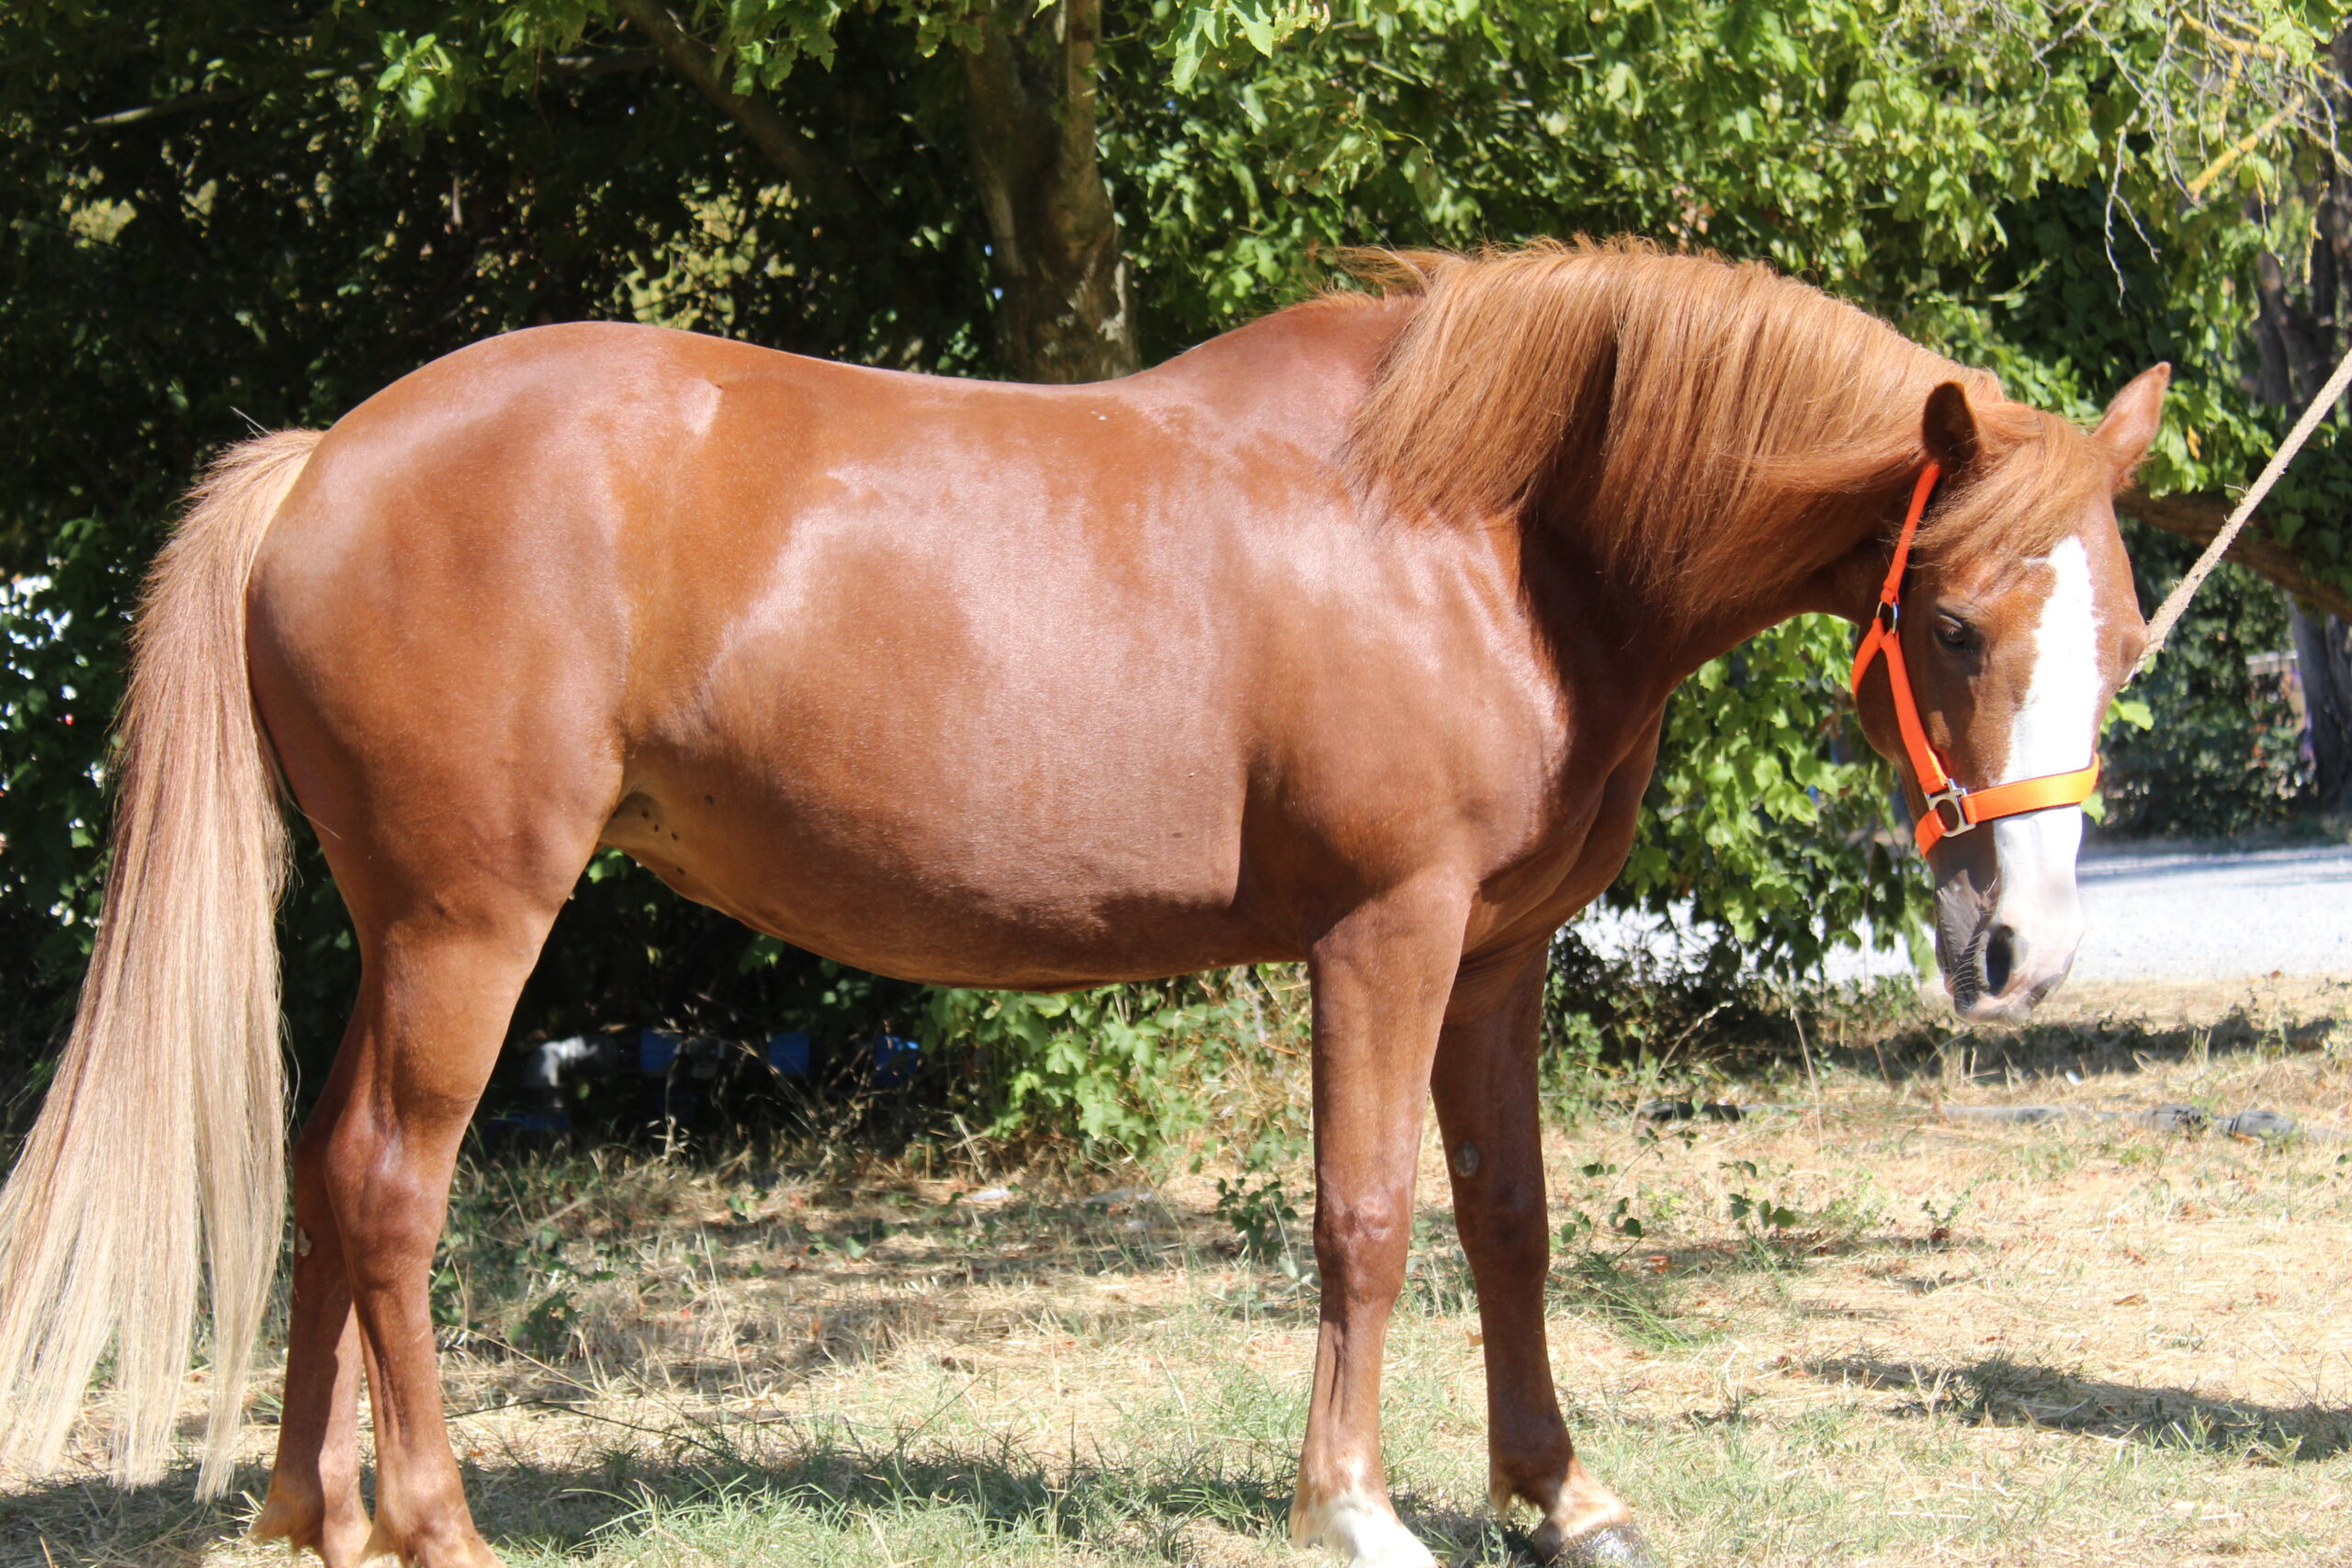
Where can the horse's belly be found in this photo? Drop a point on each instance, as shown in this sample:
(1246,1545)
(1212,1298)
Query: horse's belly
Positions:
(1012,896)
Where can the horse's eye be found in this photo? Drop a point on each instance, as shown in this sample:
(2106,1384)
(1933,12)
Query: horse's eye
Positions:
(1956,633)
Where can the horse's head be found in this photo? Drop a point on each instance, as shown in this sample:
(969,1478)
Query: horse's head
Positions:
(2019,623)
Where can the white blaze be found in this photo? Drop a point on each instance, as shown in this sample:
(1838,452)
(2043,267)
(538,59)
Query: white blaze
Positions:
(2055,731)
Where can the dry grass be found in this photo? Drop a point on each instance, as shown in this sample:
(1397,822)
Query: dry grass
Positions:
(1945,1342)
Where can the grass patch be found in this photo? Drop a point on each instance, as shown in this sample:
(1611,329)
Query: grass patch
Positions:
(1916,1340)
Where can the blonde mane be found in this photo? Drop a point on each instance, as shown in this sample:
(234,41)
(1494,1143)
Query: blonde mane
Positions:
(1680,411)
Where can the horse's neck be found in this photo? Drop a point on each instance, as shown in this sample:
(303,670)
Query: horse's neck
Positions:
(1842,550)
(1305,370)
(1825,556)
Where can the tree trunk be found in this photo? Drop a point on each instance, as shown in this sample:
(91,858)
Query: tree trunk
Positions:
(1064,309)
(2198,518)
(2323,658)
(2297,344)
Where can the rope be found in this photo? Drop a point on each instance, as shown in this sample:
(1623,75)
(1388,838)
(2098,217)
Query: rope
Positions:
(2161,624)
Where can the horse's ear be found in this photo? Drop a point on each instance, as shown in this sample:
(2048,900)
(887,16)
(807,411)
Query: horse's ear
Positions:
(2132,420)
(1949,428)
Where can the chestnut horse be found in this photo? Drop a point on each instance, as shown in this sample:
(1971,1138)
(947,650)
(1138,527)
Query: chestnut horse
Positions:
(1344,637)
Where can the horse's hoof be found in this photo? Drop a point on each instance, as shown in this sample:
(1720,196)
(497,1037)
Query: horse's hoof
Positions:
(1619,1545)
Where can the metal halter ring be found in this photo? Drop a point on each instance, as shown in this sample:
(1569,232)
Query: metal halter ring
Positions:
(1956,820)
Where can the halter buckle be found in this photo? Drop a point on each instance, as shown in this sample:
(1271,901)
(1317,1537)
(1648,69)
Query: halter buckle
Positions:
(1945,804)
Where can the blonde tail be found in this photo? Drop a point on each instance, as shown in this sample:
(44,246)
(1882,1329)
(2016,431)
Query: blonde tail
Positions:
(161,1147)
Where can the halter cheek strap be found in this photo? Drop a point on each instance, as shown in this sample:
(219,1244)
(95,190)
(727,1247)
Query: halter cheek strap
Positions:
(1953,808)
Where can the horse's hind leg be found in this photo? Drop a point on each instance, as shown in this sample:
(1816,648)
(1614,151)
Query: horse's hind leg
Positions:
(371,1183)
(453,872)
(313,1497)
(1484,1084)
(440,984)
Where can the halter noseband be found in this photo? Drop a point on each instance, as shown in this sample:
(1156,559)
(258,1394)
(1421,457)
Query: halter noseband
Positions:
(1953,808)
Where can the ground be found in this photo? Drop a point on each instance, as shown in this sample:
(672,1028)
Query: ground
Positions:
(1857,1331)
(2210,915)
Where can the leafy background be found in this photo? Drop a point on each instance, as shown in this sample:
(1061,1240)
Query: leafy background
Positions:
(232,214)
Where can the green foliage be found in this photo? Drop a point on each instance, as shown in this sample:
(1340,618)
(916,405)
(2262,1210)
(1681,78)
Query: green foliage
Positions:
(1862,146)
(1768,814)
(2227,756)
(1943,1218)
(1116,1067)
(1757,1215)
(1200,30)
(435,61)
(1264,1221)
(1579,1230)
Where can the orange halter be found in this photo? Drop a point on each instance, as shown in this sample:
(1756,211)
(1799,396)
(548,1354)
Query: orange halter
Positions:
(1952,808)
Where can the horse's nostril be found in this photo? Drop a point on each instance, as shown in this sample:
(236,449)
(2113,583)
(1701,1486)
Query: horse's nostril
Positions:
(2000,957)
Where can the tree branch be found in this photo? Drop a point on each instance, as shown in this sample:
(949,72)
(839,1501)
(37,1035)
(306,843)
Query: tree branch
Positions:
(615,65)
(823,181)
(2200,517)
(123,118)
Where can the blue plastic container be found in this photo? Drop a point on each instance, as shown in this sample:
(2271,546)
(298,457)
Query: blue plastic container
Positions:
(656,1050)
(895,1060)
(787,1053)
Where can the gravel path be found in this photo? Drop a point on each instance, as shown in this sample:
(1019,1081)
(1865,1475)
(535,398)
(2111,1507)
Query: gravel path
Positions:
(2217,917)
(2168,915)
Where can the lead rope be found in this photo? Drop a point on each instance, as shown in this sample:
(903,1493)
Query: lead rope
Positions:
(2160,626)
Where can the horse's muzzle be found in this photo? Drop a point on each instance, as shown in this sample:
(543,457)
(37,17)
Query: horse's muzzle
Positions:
(2007,922)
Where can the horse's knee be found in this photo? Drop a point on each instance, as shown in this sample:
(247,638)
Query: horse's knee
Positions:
(1359,1242)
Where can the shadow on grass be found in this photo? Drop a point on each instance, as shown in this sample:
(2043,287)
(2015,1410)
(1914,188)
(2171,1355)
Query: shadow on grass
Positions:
(1199,1505)
(2016,1394)
(1640,1290)
(1196,1506)
(90,1523)
(2089,1048)
(1641,1304)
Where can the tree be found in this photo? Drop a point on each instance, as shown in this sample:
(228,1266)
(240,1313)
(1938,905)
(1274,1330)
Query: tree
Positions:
(2300,333)
(1024,78)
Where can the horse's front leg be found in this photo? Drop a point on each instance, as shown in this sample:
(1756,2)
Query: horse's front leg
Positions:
(1381,978)
(1484,1084)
